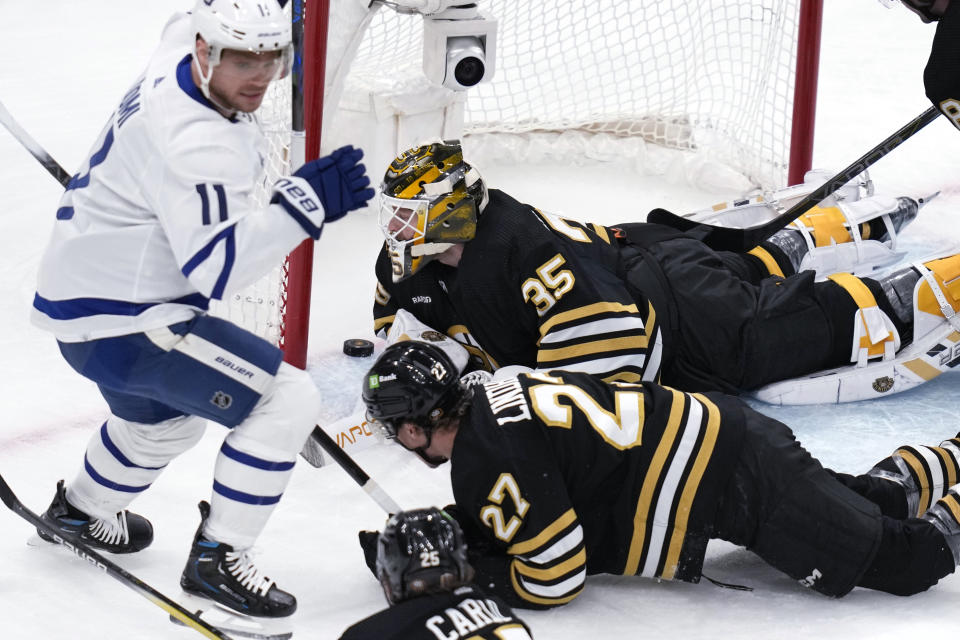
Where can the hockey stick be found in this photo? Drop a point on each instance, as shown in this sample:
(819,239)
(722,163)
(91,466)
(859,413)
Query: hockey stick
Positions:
(733,239)
(354,470)
(33,147)
(93,558)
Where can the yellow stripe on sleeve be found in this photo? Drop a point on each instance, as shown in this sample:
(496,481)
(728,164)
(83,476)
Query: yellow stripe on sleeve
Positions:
(550,532)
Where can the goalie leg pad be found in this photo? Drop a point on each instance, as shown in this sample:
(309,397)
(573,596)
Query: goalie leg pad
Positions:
(936,297)
(874,334)
(859,237)
(924,472)
(933,349)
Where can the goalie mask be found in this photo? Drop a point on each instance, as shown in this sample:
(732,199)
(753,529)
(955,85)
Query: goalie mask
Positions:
(429,200)
(414,382)
(255,26)
(421,551)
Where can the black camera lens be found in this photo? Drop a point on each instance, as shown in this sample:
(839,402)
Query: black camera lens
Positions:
(469,71)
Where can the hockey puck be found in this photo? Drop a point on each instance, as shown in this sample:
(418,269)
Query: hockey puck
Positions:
(358,347)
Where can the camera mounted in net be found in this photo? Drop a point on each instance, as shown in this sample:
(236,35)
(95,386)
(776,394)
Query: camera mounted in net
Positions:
(459,47)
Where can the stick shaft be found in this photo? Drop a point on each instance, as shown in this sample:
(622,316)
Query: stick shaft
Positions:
(732,239)
(354,470)
(120,574)
(33,147)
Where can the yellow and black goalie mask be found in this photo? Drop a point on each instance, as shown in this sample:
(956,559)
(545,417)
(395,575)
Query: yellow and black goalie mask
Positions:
(429,200)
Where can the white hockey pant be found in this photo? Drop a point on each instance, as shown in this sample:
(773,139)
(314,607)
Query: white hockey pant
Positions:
(252,469)
(123,459)
(257,458)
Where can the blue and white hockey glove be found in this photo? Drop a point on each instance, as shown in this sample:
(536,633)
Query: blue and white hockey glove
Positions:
(338,182)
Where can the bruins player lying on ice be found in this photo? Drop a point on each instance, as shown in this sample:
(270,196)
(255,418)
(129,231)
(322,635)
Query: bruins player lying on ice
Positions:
(520,286)
(558,475)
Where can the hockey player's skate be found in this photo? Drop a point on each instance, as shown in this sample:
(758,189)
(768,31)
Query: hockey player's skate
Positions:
(125,533)
(881,367)
(926,473)
(216,572)
(945,516)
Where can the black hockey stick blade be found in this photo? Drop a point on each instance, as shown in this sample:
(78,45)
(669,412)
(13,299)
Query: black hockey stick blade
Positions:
(733,239)
(84,552)
(33,147)
(354,470)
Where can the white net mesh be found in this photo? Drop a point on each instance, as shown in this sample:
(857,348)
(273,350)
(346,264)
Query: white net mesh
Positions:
(714,76)
(575,80)
(260,307)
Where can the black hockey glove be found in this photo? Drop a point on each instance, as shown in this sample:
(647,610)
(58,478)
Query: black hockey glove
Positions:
(928,10)
(368,542)
(490,564)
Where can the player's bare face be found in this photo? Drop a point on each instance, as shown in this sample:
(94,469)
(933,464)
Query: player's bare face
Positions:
(241,79)
(438,447)
(411,436)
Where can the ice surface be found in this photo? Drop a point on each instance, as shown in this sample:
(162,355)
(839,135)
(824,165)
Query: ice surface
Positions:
(62,69)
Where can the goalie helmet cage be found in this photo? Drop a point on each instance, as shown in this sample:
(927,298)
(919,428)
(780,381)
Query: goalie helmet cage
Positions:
(732,80)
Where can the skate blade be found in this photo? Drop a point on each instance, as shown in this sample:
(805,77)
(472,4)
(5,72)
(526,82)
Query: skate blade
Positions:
(236,624)
(36,541)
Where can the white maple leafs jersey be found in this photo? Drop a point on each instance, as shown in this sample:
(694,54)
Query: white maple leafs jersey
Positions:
(160,218)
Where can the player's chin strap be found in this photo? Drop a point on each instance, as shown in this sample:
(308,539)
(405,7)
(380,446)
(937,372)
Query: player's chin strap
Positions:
(213,59)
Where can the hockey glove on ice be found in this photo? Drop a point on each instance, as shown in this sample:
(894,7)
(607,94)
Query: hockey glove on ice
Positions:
(368,542)
(928,10)
(338,182)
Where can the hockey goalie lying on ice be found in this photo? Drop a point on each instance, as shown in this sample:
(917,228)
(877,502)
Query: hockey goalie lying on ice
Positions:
(801,318)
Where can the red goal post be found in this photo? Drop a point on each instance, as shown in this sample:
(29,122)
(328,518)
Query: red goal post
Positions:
(733,79)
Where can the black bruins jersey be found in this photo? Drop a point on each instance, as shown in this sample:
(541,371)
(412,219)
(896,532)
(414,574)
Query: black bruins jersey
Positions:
(535,290)
(466,613)
(567,475)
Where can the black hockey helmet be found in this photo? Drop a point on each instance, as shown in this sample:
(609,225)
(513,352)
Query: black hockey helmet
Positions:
(421,551)
(412,381)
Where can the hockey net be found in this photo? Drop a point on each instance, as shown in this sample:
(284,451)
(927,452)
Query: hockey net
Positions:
(715,81)
(262,307)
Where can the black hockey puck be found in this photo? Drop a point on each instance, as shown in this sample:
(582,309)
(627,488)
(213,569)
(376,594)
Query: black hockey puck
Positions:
(358,347)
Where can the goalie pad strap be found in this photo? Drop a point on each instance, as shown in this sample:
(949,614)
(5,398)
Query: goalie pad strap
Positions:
(829,225)
(874,334)
(929,276)
(768,261)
